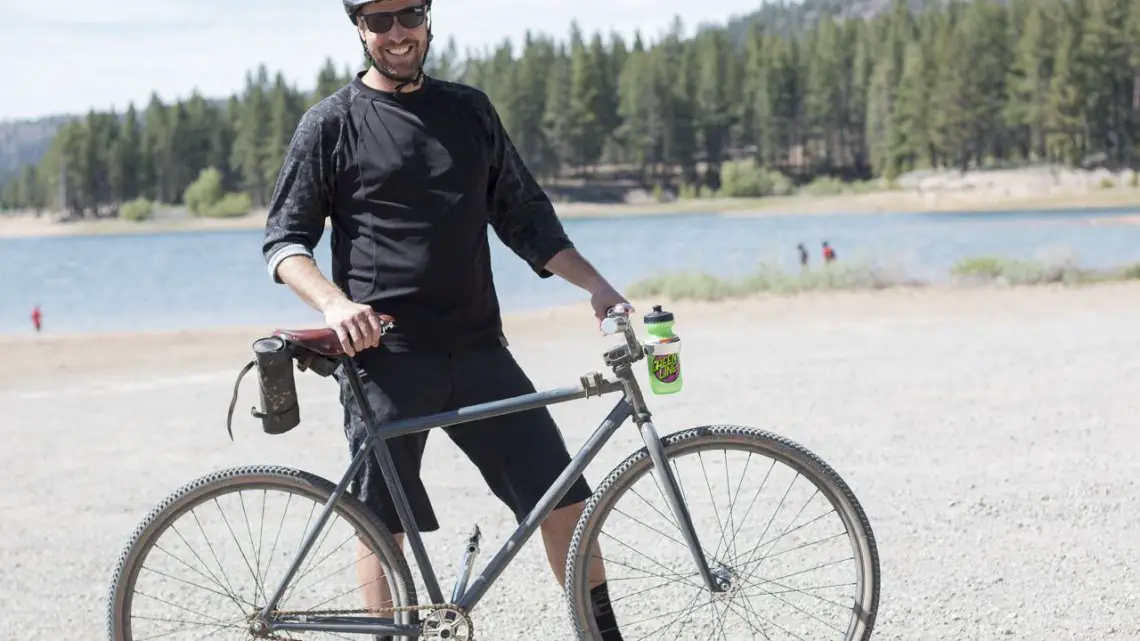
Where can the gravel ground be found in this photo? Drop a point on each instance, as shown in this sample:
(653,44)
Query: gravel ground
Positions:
(990,436)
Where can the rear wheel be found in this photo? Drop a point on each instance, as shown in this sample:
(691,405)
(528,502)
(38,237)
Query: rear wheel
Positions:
(775,522)
(209,557)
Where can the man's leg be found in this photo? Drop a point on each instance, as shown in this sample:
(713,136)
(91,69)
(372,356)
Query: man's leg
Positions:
(395,386)
(520,456)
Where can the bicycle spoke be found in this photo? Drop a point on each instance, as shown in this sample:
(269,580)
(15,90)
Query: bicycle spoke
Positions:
(712,499)
(217,627)
(192,584)
(689,607)
(794,539)
(677,576)
(238,545)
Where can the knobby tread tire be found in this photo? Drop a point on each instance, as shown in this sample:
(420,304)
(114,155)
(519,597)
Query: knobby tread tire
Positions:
(798,457)
(263,476)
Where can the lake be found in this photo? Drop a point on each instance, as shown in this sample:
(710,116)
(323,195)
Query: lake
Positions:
(211,279)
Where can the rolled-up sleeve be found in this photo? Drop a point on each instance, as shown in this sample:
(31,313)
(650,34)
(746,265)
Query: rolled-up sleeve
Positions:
(520,211)
(303,196)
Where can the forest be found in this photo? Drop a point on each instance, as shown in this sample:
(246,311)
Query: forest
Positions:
(955,85)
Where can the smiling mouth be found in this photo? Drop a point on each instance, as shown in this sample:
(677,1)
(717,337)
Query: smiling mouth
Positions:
(399,52)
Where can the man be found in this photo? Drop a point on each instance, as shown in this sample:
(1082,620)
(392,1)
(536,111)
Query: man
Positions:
(411,170)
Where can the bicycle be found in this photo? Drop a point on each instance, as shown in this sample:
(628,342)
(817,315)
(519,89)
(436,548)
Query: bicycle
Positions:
(717,578)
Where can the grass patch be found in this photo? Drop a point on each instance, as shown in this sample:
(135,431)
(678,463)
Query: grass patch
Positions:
(1005,271)
(769,280)
(870,276)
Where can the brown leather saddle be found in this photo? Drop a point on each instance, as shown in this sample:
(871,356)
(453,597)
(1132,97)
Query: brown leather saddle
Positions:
(323,341)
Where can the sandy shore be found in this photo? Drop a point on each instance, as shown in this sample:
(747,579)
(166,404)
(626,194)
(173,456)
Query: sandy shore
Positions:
(1028,189)
(990,435)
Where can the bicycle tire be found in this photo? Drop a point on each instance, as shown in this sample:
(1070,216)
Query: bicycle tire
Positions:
(260,477)
(796,456)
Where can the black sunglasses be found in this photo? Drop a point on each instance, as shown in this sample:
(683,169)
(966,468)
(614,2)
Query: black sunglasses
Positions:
(383,21)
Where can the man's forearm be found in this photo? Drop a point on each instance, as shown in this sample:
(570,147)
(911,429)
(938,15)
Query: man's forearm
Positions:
(303,276)
(572,267)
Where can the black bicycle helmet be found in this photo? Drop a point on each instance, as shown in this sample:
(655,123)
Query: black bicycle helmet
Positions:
(352,6)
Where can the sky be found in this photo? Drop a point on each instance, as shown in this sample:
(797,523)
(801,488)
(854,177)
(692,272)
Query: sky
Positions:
(69,56)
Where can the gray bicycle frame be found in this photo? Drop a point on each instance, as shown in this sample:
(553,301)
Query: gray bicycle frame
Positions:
(632,405)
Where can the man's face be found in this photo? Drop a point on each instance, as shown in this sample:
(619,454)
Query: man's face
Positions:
(399,50)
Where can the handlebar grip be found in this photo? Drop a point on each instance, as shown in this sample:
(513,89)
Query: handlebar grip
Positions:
(621,309)
(614,324)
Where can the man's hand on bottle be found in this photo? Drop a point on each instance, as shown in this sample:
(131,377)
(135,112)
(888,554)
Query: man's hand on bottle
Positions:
(356,325)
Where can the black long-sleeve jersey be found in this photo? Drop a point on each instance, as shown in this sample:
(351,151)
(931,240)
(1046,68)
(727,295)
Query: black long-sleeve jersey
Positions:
(410,182)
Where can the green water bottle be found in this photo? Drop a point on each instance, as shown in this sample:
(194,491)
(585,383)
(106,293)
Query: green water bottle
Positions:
(663,352)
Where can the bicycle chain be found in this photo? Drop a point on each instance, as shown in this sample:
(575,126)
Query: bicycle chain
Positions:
(390,610)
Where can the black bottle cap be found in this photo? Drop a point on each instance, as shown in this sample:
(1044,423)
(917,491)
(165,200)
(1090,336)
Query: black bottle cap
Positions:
(658,316)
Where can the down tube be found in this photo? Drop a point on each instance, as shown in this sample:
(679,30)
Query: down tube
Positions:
(618,415)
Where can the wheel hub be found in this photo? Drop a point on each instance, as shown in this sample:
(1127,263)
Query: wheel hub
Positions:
(725,579)
(447,624)
(257,627)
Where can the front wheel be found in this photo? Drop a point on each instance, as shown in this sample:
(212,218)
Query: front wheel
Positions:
(775,522)
(210,556)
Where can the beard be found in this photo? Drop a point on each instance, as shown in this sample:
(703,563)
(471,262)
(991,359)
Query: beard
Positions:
(397,68)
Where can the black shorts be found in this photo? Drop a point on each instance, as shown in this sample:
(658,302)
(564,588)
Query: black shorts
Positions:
(520,455)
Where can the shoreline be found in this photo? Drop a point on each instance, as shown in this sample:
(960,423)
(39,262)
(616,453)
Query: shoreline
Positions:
(912,202)
(65,359)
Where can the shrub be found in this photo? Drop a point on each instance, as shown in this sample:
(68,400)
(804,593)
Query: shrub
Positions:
(231,205)
(137,210)
(824,186)
(746,179)
(204,192)
(206,197)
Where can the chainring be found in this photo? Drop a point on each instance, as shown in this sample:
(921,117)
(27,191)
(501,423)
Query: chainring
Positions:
(448,623)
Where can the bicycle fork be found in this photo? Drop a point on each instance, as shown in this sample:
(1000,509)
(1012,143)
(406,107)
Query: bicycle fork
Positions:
(641,416)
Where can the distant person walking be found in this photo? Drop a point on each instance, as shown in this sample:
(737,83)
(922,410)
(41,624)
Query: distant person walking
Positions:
(828,253)
(37,318)
(803,255)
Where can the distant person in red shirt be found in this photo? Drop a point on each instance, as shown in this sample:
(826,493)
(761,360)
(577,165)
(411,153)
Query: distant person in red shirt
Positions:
(37,318)
(828,253)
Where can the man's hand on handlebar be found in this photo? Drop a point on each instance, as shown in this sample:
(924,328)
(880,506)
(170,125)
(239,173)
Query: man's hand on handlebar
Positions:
(608,301)
(356,325)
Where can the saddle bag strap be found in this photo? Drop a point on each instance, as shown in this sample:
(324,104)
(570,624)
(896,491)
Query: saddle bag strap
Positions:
(233,401)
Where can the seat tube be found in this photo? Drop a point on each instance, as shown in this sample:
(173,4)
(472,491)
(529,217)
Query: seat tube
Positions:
(642,418)
(383,455)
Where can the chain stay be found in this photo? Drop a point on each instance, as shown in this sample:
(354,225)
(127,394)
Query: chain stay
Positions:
(394,610)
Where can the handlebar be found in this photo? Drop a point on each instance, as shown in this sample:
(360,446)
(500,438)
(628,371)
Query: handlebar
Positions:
(617,321)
